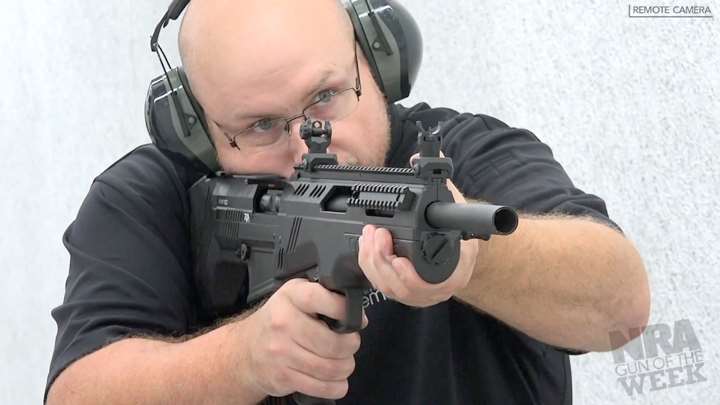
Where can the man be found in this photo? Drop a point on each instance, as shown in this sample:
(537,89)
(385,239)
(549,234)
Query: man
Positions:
(495,332)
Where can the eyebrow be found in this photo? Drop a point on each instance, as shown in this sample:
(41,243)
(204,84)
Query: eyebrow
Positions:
(323,81)
(318,87)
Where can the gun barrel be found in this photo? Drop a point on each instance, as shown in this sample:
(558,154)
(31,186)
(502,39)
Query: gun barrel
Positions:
(473,218)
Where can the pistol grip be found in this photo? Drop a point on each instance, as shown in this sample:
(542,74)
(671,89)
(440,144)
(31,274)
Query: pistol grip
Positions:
(353,313)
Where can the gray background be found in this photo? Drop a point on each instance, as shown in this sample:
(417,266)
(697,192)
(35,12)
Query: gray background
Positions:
(629,106)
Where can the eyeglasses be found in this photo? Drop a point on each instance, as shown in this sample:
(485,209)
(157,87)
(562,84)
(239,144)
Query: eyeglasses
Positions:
(328,105)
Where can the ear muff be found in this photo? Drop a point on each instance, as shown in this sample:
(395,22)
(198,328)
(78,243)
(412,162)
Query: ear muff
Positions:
(391,42)
(385,30)
(176,122)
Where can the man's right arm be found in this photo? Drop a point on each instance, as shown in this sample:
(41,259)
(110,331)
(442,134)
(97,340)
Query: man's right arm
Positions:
(279,349)
(144,371)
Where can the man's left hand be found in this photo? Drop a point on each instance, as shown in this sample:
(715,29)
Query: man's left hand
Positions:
(396,276)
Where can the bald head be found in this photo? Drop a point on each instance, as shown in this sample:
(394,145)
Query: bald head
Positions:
(249,61)
(252,46)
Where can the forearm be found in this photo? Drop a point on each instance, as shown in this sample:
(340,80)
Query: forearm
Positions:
(143,371)
(565,281)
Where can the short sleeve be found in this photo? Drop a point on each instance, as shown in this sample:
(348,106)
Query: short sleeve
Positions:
(496,163)
(129,260)
(511,166)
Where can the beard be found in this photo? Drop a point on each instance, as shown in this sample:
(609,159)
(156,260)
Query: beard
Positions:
(377,157)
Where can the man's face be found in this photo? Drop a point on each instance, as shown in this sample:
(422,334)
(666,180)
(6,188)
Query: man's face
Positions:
(272,64)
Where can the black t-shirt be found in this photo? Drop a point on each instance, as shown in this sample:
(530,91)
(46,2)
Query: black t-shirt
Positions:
(131,272)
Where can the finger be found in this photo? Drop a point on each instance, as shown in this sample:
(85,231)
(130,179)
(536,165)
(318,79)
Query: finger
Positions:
(316,337)
(457,195)
(382,258)
(465,267)
(470,249)
(407,274)
(321,368)
(316,388)
(384,244)
(431,293)
(312,298)
(365,253)
(415,156)
(313,334)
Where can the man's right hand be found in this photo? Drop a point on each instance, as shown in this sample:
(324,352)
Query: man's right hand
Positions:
(279,349)
(287,349)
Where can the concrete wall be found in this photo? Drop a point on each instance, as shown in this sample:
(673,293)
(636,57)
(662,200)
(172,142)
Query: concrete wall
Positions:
(631,108)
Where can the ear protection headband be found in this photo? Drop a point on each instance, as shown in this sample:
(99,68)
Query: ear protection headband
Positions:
(385,30)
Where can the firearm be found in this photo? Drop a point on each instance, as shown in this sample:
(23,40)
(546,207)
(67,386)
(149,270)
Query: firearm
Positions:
(252,233)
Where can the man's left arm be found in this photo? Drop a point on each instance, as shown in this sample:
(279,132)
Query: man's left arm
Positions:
(565,277)
(566,281)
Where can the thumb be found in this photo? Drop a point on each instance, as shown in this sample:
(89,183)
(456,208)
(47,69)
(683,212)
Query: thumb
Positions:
(457,195)
(417,155)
